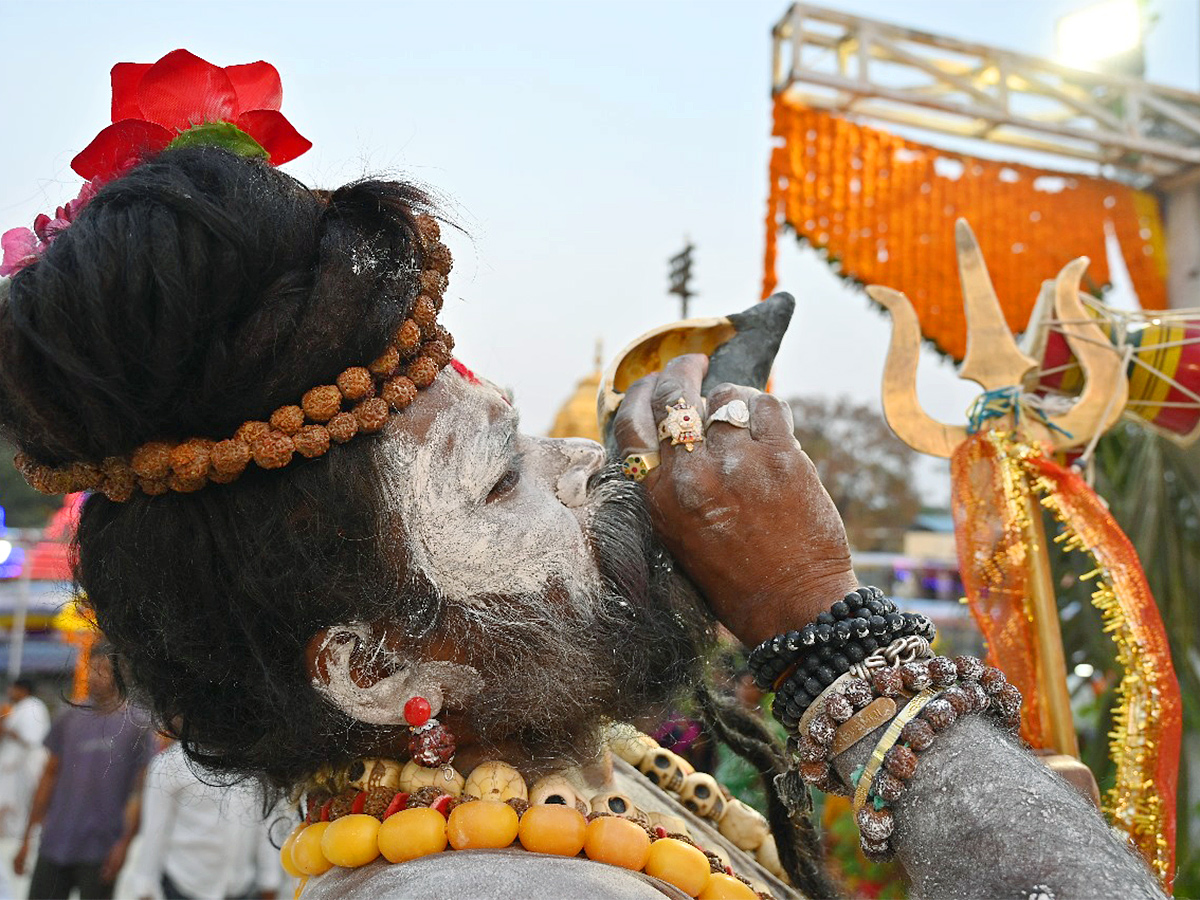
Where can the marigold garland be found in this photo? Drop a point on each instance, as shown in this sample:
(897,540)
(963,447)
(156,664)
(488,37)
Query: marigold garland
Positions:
(883,209)
(992,473)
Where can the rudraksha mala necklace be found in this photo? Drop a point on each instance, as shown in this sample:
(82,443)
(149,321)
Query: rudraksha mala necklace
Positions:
(359,402)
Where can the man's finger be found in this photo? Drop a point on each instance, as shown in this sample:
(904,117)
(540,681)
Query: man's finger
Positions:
(723,435)
(771,419)
(679,386)
(633,425)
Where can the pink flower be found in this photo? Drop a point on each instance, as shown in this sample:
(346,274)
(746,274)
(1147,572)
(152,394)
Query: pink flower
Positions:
(21,247)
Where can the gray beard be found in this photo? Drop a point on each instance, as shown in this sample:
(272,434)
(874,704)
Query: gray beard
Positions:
(559,665)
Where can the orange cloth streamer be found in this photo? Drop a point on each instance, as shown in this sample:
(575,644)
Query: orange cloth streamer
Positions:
(992,475)
(883,209)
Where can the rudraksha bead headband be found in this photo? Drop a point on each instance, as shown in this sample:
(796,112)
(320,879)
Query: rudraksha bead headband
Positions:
(359,402)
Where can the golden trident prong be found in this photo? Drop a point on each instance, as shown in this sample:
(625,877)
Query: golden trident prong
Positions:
(994,361)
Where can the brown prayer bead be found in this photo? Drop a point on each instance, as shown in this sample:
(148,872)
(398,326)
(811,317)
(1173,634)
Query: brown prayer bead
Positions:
(342,427)
(288,419)
(230,457)
(398,392)
(372,415)
(887,682)
(958,698)
(968,667)
(439,259)
(185,485)
(992,680)
(356,383)
(444,336)
(437,351)
(424,312)
(901,762)
(152,460)
(433,284)
(808,750)
(1007,701)
(408,338)
(814,773)
(84,476)
(190,460)
(939,714)
(917,734)
(322,403)
(979,698)
(422,371)
(875,824)
(378,800)
(888,786)
(915,676)
(273,450)
(838,708)
(821,730)
(876,851)
(386,363)
(251,432)
(428,229)
(311,441)
(942,671)
(858,692)
(153,486)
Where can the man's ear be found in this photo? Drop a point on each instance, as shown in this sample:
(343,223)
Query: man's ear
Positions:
(354,667)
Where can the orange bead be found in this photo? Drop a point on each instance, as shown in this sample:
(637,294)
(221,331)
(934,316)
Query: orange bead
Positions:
(618,842)
(351,841)
(479,824)
(307,856)
(725,887)
(410,833)
(285,852)
(679,864)
(552,828)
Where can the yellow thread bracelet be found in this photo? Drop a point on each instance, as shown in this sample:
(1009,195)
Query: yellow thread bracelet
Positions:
(915,705)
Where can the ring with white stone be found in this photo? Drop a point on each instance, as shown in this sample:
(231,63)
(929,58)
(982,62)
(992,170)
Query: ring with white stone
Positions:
(735,412)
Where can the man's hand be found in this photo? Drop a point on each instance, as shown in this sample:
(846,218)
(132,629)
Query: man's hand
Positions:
(744,513)
(114,860)
(21,858)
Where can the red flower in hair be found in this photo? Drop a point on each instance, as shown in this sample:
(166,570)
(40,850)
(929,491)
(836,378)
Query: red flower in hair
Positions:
(183,99)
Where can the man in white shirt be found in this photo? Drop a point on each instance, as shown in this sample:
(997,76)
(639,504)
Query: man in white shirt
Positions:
(22,730)
(201,841)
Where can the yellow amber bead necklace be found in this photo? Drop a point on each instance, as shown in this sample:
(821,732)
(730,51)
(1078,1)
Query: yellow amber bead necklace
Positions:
(490,809)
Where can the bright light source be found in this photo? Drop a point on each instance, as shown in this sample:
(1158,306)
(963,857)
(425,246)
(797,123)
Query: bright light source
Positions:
(1084,670)
(5,551)
(1098,33)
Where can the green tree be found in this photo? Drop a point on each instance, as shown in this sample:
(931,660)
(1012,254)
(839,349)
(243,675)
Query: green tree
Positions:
(867,470)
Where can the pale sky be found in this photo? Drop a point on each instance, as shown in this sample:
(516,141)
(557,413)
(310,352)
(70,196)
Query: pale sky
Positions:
(577,143)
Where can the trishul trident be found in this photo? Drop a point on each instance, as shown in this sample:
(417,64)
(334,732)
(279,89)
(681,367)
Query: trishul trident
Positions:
(994,361)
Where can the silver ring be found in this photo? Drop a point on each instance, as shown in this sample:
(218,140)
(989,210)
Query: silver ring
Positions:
(735,412)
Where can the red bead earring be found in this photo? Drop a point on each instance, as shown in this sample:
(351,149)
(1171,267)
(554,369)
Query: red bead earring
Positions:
(431,744)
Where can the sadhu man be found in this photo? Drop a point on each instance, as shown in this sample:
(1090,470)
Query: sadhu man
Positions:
(328,558)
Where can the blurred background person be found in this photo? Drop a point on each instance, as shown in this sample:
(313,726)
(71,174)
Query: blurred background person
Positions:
(200,840)
(23,728)
(86,800)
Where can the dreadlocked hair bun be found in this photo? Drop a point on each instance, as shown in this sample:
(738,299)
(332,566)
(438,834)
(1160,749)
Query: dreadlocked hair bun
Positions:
(200,291)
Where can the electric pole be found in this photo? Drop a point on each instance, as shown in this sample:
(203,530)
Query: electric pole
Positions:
(681,274)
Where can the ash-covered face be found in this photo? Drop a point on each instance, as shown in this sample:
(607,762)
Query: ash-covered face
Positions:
(561,609)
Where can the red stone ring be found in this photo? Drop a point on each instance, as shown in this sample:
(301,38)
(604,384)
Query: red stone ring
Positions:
(683,425)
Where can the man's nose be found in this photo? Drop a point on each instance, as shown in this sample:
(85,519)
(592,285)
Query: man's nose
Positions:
(583,459)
